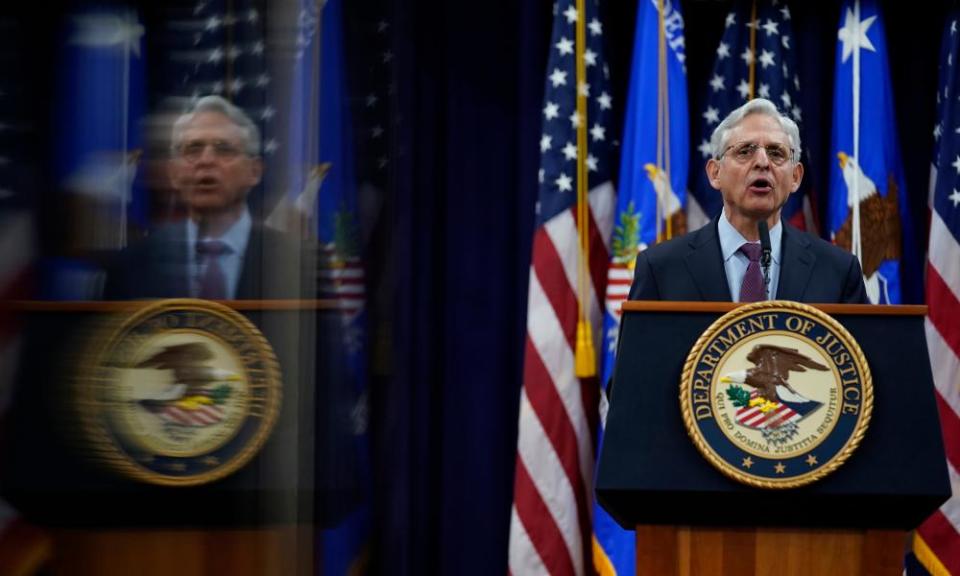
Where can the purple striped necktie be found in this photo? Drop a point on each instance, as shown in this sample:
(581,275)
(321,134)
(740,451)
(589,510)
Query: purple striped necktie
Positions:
(752,288)
(213,283)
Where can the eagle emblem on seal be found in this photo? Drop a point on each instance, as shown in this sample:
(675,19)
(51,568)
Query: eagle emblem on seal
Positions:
(762,395)
(197,391)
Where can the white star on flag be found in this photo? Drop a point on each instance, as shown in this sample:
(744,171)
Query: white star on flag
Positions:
(565,46)
(955,197)
(598,132)
(544,143)
(595,27)
(558,77)
(591,163)
(704,149)
(604,101)
(590,57)
(766,58)
(723,51)
(712,115)
(848,34)
(564,183)
(570,151)
(551,111)
(717,83)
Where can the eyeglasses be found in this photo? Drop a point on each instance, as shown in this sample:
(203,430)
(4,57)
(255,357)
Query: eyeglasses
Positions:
(776,153)
(222,150)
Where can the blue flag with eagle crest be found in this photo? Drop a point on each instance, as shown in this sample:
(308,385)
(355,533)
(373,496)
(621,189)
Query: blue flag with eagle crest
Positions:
(868,212)
(650,203)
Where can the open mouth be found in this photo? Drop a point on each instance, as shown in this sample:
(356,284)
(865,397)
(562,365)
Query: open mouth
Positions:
(761,185)
(206,182)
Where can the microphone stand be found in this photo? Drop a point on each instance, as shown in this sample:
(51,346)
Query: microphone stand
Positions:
(765,254)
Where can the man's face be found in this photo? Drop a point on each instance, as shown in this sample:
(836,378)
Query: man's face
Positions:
(752,175)
(211,169)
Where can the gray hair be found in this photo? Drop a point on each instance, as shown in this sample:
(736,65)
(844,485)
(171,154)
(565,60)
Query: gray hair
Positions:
(718,140)
(220,105)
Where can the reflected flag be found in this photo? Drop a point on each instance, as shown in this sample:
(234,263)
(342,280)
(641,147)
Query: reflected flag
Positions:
(322,183)
(100,111)
(650,205)
(868,197)
(550,524)
(936,543)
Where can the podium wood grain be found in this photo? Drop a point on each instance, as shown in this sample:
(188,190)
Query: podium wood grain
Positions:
(698,551)
(280,550)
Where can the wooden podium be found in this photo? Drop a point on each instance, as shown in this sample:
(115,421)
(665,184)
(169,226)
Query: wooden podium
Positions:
(690,519)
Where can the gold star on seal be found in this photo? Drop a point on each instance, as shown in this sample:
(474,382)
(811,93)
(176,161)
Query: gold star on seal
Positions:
(780,468)
(211,460)
(812,460)
(178,466)
(747,462)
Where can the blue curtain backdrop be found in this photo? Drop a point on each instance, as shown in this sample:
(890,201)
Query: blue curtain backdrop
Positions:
(464,188)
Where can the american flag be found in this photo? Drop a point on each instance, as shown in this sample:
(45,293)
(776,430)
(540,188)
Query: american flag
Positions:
(755,59)
(553,484)
(937,541)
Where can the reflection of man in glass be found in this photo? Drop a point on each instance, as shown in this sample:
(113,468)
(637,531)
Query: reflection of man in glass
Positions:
(217,251)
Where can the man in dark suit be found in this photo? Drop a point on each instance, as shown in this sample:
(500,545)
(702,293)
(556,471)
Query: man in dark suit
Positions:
(755,165)
(218,251)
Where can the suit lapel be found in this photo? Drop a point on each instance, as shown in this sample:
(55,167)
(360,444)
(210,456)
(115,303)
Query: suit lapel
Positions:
(248,286)
(796,265)
(705,264)
(169,274)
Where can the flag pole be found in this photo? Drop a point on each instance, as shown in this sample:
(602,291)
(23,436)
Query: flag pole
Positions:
(663,127)
(752,63)
(855,243)
(585,363)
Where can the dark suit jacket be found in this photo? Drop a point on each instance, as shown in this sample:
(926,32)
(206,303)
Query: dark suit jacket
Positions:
(691,268)
(157,267)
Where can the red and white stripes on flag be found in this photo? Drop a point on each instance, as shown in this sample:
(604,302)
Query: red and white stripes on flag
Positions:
(550,525)
(342,279)
(197,417)
(754,417)
(940,534)
(936,542)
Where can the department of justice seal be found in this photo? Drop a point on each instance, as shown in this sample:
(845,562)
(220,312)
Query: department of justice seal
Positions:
(182,392)
(776,394)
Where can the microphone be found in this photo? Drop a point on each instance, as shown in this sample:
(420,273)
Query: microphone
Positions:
(765,253)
